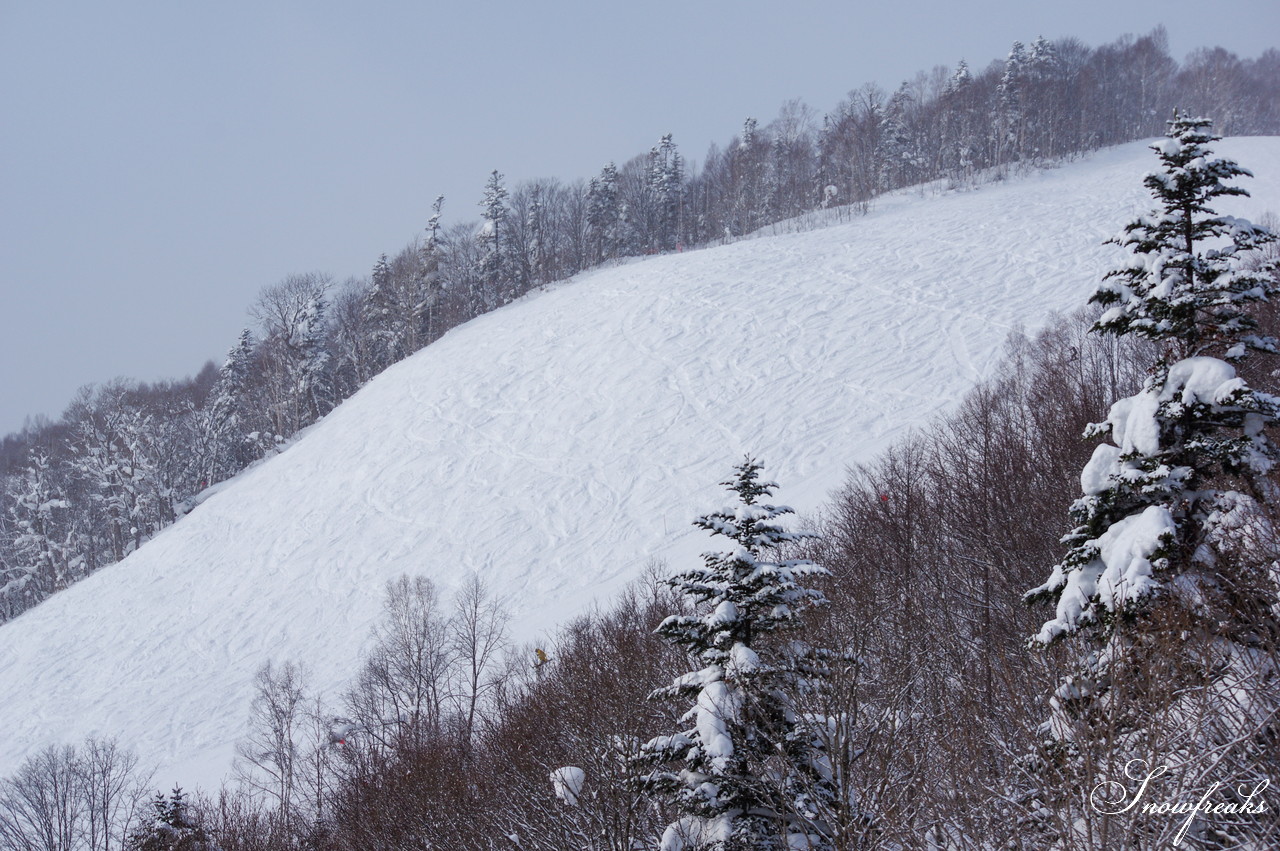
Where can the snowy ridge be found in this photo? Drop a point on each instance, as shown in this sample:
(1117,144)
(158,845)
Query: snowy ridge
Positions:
(557,445)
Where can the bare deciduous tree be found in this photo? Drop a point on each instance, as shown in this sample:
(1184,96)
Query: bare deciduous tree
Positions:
(478,632)
(271,759)
(400,697)
(72,799)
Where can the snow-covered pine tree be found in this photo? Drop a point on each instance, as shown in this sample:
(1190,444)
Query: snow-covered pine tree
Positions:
(430,279)
(315,375)
(1169,581)
(751,773)
(1010,103)
(666,188)
(604,215)
(493,268)
(171,828)
(383,315)
(537,230)
(1185,285)
(959,147)
(1043,60)
(1043,97)
(229,417)
(899,160)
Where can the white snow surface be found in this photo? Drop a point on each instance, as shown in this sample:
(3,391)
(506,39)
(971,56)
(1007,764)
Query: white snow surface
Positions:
(557,445)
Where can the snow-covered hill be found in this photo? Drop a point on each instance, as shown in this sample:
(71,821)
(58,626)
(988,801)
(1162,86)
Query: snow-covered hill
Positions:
(558,445)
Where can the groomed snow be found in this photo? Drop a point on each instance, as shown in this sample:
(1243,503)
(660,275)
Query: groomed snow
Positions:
(558,445)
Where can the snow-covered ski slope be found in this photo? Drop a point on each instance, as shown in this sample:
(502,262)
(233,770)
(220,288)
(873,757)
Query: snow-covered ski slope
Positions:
(558,445)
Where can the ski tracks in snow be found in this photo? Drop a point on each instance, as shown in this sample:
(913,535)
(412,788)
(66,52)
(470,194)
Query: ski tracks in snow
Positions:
(556,446)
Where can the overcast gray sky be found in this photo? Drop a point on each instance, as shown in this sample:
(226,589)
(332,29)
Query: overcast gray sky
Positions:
(160,162)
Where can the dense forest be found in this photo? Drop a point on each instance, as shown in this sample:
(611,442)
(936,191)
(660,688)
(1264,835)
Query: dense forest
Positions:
(937,667)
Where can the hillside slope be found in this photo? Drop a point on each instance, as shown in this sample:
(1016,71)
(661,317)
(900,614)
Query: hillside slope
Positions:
(559,444)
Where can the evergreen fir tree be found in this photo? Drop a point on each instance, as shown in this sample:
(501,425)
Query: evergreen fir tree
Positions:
(535,225)
(1042,97)
(1010,101)
(595,251)
(171,828)
(666,187)
(1185,286)
(230,420)
(380,310)
(430,279)
(604,214)
(959,147)
(494,269)
(1167,575)
(751,773)
(1043,59)
(897,156)
(315,378)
